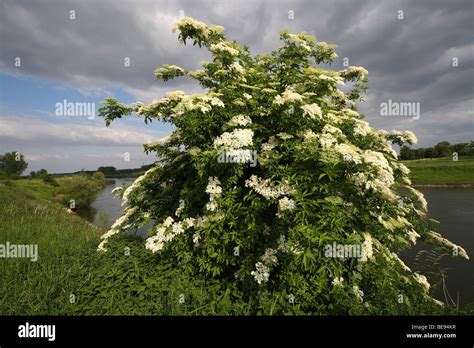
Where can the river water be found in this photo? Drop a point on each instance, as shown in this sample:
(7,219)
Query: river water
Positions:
(453,208)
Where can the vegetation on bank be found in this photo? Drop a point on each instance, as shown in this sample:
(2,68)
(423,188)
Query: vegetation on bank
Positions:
(440,150)
(74,192)
(66,250)
(442,171)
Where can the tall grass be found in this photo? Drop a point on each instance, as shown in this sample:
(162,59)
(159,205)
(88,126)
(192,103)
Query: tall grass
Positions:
(65,243)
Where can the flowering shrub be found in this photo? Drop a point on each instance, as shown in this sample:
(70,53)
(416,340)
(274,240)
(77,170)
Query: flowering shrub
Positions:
(323,177)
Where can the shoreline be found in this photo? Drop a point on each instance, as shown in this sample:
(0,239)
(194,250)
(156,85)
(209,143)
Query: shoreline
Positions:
(454,186)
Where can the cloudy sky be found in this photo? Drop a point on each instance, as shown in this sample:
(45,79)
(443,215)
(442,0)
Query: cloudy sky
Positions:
(51,51)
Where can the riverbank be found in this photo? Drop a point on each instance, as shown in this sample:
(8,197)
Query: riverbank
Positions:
(442,172)
(73,192)
(65,243)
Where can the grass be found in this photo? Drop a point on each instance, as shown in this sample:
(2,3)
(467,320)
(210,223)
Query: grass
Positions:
(65,244)
(442,171)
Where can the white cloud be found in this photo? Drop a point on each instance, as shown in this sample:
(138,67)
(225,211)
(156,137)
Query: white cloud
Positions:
(30,131)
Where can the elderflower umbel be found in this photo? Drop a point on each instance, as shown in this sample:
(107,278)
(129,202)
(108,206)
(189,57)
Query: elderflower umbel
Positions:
(421,279)
(289,96)
(312,110)
(358,293)
(240,120)
(236,139)
(285,204)
(266,188)
(337,281)
(223,47)
(261,274)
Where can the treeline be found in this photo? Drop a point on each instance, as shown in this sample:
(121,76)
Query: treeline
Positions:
(442,149)
(112,172)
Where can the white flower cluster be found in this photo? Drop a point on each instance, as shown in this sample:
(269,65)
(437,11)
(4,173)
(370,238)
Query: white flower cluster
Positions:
(136,184)
(167,231)
(269,257)
(412,236)
(200,27)
(357,69)
(392,224)
(421,279)
(167,70)
(332,79)
(261,274)
(117,192)
(362,128)
(367,251)
(358,293)
(236,139)
(329,129)
(223,47)
(337,281)
(378,161)
(238,68)
(285,204)
(202,102)
(401,263)
(309,135)
(270,144)
(284,136)
(262,269)
(266,188)
(339,94)
(457,250)
(214,190)
(348,152)
(240,120)
(288,96)
(180,207)
(170,96)
(312,110)
(299,40)
(420,198)
(406,137)
(115,228)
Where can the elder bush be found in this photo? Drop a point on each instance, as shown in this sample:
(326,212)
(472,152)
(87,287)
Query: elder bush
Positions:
(276,232)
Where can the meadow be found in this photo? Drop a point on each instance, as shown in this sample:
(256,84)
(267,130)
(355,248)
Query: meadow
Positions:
(442,171)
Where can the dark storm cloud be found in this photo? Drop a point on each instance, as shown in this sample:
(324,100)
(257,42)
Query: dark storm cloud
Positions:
(408,59)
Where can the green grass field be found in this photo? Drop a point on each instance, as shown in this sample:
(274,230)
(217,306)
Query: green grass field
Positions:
(442,171)
(65,243)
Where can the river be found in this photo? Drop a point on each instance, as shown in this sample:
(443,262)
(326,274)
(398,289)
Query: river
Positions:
(453,208)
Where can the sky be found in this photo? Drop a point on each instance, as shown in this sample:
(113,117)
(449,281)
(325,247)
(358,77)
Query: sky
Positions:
(75,51)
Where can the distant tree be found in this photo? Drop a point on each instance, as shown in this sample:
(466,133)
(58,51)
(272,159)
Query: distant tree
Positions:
(100,178)
(443,149)
(406,153)
(13,163)
(107,170)
(429,152)
(462,149)
(43,175)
